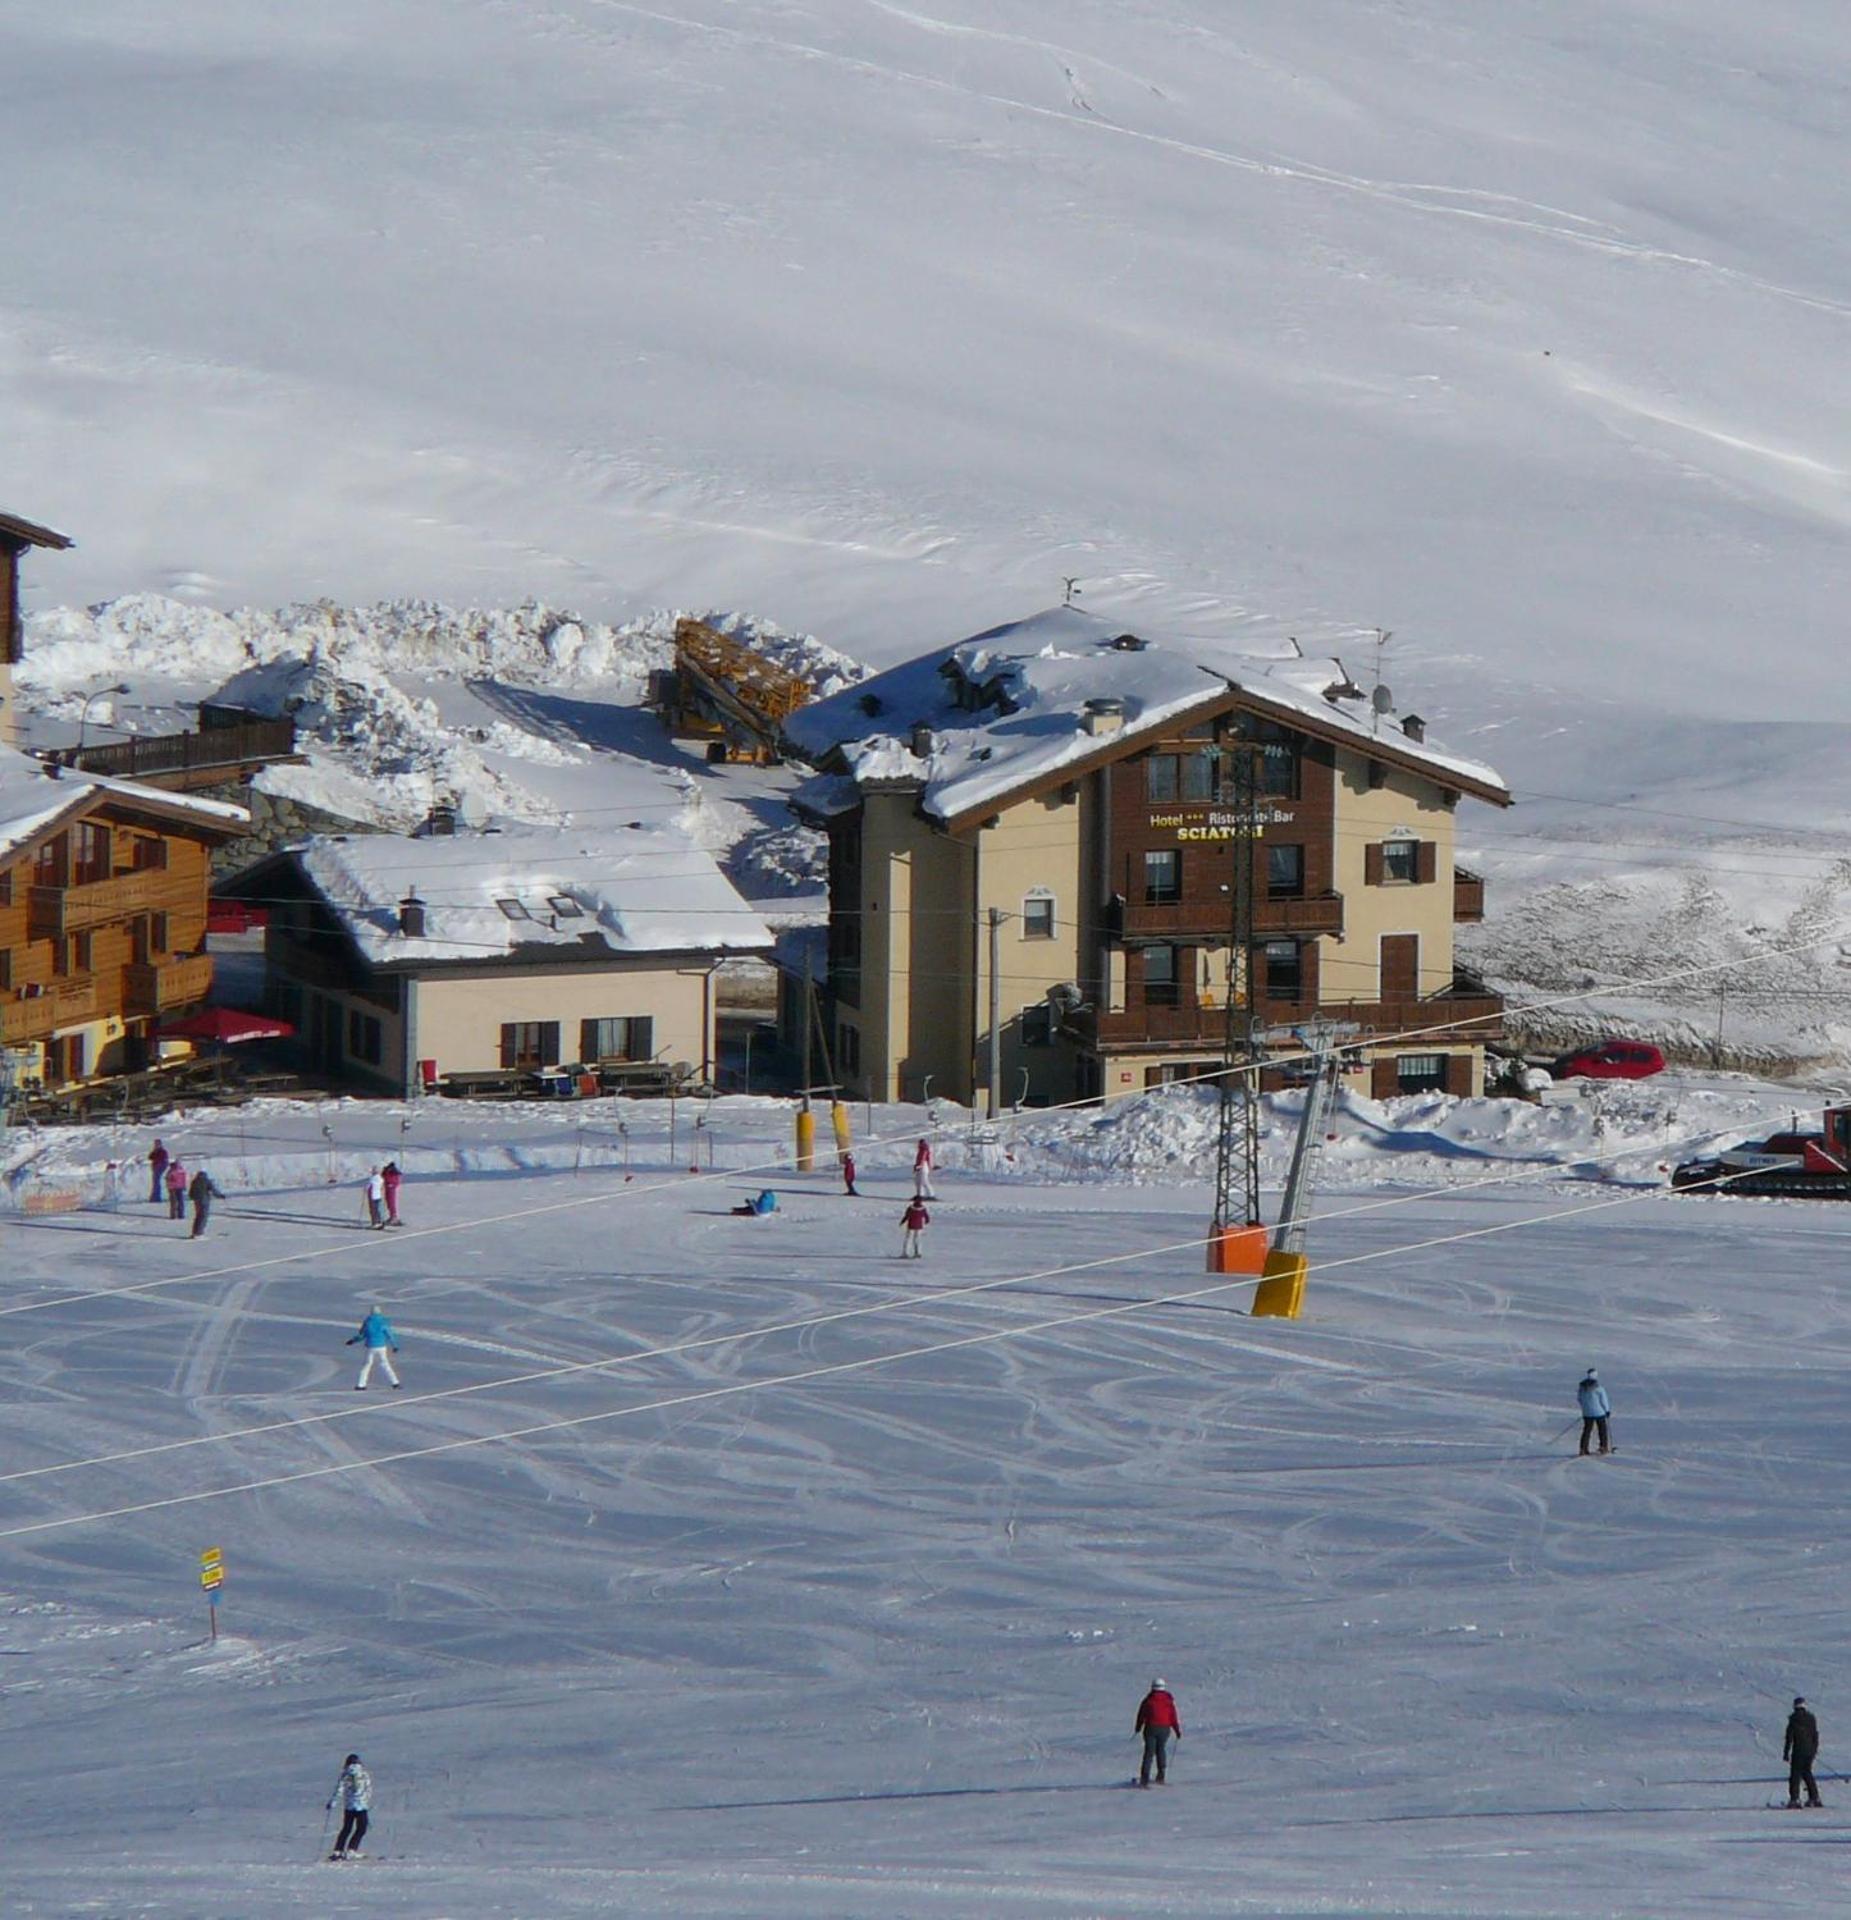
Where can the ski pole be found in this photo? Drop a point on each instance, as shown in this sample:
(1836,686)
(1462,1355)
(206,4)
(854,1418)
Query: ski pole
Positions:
(1566,1430)
(327,1820)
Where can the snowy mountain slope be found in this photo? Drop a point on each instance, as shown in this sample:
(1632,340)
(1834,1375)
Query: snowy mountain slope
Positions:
(1512,328)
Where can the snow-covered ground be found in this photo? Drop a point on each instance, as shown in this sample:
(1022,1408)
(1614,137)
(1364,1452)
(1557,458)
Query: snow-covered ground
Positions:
(731,1567)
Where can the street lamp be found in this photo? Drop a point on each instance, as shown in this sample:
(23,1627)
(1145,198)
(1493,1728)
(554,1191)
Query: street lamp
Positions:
(83,717)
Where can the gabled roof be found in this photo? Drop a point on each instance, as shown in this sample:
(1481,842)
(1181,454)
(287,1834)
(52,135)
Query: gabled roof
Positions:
(1034,679)
(17,533)
(34,800)
(572,894)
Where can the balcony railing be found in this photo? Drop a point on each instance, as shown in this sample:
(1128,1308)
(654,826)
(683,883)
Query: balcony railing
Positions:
(54,911)
(1174,920)
(150,755)
(1468,1010)
(161,985)
(34,1016)
(1468,895)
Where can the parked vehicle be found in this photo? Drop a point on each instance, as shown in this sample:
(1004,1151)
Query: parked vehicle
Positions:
(1791,1165)
(1611,1060)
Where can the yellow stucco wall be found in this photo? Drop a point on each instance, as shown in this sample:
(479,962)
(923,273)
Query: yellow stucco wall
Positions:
(459,1015)
(1404,806)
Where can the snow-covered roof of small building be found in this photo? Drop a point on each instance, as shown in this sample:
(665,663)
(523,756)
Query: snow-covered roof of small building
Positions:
(33,798)
(1032,681)
(537,893)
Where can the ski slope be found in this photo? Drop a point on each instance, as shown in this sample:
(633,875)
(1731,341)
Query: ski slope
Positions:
(731,1567)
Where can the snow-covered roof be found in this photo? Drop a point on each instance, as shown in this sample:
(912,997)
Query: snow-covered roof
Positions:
(1034,679)
(32,798)
(531,892)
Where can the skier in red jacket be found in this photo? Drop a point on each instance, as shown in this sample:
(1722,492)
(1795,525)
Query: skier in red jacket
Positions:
(914,1220)
(1157,1721)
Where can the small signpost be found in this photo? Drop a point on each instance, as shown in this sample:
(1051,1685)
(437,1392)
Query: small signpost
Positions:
(211,1578)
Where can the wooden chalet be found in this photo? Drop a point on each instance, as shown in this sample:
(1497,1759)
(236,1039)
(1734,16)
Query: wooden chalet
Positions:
(102,917)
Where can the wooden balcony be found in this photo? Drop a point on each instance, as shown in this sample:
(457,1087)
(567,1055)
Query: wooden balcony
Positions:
(162,985)
(1468,895)
(1469,1011)
(52,912)
(1312,913)
(37,1016)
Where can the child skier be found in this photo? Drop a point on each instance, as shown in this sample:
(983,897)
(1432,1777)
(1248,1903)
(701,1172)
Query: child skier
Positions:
(176,1190)
(354,1791)
(915,1220)
(393,1180)
(1159,1723)
(376,1198)
(848,1176)
(380,1342)
(922,1171)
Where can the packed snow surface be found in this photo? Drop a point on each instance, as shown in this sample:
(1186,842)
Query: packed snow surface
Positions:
(730,1566)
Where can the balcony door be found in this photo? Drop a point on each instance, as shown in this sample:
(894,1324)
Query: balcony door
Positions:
(1400,966)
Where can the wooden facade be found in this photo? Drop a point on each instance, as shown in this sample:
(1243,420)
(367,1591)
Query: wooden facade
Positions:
(102,932)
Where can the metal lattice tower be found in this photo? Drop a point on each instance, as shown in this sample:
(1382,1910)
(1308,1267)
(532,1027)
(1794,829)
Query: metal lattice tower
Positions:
(1237,1139)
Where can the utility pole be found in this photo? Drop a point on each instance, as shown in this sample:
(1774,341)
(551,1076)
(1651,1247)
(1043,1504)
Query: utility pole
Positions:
(1236,1241)
(995,1069)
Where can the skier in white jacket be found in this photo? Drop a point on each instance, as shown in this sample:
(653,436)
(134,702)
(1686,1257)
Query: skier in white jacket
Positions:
(354,1791)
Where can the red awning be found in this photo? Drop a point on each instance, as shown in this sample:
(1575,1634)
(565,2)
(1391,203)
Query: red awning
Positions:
(226,1025)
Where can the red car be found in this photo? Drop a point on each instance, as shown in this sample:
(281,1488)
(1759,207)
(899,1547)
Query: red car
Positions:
(1612,1060)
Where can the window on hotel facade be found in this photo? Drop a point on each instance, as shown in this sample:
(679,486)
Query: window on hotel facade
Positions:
(1163,877)
(1160,777)
(1285,872)
(1201,774)
(1420,1072)
(625,1037)
(530,1043)
(1401,860)
(1282,970)
(1038,916)
(1160,977)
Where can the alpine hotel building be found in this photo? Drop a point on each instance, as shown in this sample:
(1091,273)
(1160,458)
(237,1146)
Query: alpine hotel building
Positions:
(1078,779)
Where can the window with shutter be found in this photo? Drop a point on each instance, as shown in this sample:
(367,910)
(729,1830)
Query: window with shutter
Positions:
(1426,861)
(1372,864)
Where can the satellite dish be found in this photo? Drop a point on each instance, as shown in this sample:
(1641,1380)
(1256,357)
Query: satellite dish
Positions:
(1382,700)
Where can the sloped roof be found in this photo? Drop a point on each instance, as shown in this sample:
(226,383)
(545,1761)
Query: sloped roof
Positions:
(574,894)
(15,532)
(33,799)
(1042,672)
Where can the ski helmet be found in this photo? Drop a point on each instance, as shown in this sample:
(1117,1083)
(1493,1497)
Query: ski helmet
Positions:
(1157,1686)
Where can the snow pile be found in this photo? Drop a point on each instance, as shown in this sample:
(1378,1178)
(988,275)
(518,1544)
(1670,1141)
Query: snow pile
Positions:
(364,687)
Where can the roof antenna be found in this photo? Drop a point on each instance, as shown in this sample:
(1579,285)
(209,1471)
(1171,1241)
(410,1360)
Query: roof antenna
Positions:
(1071,581)
(1298,652)
(1381,701)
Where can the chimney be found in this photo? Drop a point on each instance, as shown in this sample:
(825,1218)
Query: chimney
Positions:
(1103,715)
(440,822)
(1414,727)
(922,740)
(411,916)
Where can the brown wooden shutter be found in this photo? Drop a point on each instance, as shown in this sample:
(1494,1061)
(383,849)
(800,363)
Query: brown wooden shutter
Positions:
(1427,861)
(507,1044)
(1383,1082)
(1372,864)
(587,1040)
(1459,1074)
(549,1043)
(643,1037)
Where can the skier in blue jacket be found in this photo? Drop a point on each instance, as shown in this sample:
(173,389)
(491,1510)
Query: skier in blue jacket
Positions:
(380,1342)
(1595,1409)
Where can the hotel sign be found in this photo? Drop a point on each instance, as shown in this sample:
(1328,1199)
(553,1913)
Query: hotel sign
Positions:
(1214,824)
